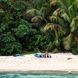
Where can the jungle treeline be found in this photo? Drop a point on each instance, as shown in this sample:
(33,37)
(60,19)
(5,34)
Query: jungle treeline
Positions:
(27,25)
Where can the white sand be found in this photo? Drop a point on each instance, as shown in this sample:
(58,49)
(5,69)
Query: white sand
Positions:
(58,62)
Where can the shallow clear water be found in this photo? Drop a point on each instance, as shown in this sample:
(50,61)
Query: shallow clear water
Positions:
(38,75)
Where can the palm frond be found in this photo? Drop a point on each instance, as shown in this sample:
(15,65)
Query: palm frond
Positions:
(57,20)
(74,24)
(36,19)
(57,12)
(32,12)
(67,42)
(53,19)
(49,26)
(65,3)
(65,17)
(53,1)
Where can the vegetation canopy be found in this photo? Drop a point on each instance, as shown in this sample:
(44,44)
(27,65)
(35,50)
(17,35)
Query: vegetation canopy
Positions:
(26,25)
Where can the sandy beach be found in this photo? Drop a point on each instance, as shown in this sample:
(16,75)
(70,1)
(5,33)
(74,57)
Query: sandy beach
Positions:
(58,62)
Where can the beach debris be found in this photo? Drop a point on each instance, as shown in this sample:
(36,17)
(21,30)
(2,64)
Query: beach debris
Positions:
(69,58)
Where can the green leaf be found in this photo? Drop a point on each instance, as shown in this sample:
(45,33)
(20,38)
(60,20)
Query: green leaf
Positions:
(74,24)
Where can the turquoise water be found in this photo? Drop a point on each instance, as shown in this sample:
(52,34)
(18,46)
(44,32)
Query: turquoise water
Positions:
(38,75)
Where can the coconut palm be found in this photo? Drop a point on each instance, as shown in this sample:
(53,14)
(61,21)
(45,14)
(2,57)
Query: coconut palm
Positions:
(66,17)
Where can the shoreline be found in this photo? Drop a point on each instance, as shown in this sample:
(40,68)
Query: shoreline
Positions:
(40,72)
(59,62)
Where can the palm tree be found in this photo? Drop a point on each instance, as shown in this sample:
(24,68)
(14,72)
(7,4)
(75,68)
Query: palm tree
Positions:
(66,17)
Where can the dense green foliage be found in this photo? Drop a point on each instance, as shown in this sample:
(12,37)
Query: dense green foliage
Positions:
(26,25)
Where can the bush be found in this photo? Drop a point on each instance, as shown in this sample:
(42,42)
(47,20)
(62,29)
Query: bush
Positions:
(9,45)
(75,51)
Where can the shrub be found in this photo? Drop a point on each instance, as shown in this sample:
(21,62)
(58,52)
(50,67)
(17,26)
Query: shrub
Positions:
(75,51)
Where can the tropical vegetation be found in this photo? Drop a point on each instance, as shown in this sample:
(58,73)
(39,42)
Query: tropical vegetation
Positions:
(26,25)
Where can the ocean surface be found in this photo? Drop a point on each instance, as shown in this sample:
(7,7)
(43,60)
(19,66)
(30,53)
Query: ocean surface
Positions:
(37,75)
